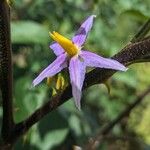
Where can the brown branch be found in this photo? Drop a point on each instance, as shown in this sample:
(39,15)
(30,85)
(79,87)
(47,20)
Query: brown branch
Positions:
(5,70)
(128,55)
(94,142)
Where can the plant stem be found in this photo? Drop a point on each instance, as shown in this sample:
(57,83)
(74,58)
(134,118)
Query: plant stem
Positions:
(6,70)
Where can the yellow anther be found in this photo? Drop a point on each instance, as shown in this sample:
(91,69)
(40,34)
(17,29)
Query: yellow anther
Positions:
(65,43)
(49,81)
(54,92)
(60,82)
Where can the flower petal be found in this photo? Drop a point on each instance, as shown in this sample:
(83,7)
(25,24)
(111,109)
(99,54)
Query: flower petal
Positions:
(94,60)
(57,49)
(82,32)
(77,71)
(52,69)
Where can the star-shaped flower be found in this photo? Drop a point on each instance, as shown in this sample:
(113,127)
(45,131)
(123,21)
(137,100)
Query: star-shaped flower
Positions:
(69,54)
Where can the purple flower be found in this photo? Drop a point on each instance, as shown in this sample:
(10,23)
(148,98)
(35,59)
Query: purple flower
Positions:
(69,54)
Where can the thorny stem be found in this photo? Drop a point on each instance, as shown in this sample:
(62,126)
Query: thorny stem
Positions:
(5,70)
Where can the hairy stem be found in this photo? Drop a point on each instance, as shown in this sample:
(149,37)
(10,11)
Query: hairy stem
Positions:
(5,70)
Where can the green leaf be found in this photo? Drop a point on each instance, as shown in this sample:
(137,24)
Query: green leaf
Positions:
(75,124)
(54,138)
(21,111)
(51,139)
(26,99)
(129,78)
(29,32)
(135,13)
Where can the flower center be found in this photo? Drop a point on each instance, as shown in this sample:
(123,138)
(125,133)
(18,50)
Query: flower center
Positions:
(65,43)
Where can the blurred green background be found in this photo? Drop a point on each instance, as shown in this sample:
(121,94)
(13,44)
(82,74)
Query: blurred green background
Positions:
(116,23)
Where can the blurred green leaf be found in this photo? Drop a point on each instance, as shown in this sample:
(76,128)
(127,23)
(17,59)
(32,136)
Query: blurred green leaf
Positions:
(75,124)
(27,32)
(141,123)
(51,139)
(129,78)
(26,99)
(135,13)
(21,111)
(54,138)
(53,121)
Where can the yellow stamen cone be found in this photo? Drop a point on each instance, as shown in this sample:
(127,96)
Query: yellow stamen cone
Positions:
(65,43)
